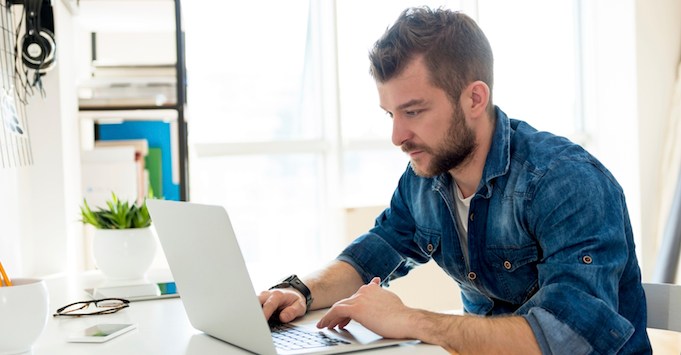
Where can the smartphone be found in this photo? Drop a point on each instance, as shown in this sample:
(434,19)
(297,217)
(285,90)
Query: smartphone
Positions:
(100,333)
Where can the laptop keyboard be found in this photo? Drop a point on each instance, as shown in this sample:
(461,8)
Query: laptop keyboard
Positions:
(290,337)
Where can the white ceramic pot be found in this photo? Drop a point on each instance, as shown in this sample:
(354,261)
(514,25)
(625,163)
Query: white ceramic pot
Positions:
(23,314)
(123,254)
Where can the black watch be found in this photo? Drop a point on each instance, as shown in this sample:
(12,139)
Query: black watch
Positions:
(294,281)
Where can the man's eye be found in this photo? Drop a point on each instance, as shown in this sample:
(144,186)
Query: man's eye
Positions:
(412,113)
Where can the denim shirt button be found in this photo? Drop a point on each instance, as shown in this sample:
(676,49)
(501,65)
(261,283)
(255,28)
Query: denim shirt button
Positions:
(507,265)
(472,276)
(472,216)
(430,248)
(587,259)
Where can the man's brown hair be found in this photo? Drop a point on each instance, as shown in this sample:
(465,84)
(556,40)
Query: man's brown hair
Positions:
(454,48)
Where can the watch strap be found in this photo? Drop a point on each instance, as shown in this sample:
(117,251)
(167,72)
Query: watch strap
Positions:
(294,282)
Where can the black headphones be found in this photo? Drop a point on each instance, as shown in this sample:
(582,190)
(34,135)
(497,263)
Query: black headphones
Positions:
(38,46)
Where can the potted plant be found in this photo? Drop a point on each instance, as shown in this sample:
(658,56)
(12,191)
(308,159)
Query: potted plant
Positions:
(124,243)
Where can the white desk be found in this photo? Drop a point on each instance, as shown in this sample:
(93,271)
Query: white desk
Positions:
(163,327)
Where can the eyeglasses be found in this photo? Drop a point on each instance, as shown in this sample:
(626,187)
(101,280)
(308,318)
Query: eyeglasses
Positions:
(104,306)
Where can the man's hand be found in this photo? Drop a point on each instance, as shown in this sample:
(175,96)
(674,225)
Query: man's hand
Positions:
(328,285)
(287,302)
(382,312)
(377,309)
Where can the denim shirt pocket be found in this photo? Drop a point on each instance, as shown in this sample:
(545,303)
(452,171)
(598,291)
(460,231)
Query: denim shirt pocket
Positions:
(427,239)
(515,270)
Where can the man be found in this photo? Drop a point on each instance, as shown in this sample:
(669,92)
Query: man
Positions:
(533,228)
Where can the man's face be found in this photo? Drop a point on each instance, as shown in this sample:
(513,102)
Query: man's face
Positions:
(425,124)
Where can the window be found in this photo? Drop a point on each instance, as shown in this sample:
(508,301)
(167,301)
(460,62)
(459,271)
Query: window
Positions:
(370,165)
(285,128)
(256,122)
(250,73)
(535,59)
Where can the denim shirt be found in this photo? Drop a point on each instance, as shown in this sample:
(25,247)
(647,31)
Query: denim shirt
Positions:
(549,239)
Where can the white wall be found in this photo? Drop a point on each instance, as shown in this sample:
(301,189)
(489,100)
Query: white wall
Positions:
(10,214)
(42,229)
(658,51)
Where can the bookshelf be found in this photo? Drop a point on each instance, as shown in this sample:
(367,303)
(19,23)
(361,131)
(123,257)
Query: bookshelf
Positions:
(135,89)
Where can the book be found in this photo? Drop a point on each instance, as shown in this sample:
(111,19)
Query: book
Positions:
(109,169)
(141,147)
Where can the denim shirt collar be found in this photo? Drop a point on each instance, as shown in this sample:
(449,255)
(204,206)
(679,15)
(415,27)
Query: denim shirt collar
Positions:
(498,158)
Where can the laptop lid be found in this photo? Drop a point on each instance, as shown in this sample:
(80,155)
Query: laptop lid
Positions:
(210,273)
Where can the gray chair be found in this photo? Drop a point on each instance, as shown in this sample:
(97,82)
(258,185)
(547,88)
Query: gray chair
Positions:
(664,306)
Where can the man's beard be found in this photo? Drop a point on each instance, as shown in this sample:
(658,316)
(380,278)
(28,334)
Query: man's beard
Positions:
(457,147)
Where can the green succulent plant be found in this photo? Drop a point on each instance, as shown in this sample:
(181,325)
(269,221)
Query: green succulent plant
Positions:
(117,215)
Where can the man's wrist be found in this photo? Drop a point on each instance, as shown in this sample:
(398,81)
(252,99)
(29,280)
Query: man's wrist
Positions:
(294,282)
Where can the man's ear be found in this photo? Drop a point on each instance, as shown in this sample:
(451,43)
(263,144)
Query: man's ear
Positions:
(476,96)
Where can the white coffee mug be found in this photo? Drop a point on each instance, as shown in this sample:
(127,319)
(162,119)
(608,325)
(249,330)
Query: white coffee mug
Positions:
(23,314)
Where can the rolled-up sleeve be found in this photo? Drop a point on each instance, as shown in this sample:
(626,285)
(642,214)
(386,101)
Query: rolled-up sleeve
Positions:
(553,336)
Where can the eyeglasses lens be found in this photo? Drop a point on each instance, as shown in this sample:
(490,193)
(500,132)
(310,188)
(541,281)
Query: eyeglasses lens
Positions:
(110,303)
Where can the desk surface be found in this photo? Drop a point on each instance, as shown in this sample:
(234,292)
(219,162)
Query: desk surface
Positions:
(163,328)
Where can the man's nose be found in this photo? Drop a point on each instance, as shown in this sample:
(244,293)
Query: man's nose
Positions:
(401,132)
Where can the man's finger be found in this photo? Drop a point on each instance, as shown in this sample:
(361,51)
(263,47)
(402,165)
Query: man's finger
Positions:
(263,296)
(344,323)
(271,302)
(269,307)
(334,316)
(292,312)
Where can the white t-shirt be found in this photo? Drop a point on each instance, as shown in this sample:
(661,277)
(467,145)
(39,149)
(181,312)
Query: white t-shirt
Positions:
(463,205)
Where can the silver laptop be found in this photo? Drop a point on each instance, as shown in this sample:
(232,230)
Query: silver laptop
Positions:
(217,292)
